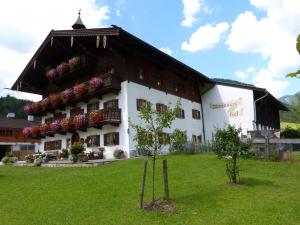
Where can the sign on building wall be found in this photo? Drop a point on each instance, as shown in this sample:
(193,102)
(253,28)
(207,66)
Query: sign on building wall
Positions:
(233,108)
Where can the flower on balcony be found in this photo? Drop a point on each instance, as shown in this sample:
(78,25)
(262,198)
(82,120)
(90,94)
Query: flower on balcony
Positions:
(27,109)
(79,120)
(35,107)
(44,128)
(64,123)
(35,130)
(63,68)
(66,95)
(94,83)
(26,131)
(44,104)
(75,61)
(55,99)
(79,89)
(55,126)
(95,117)
(51,74)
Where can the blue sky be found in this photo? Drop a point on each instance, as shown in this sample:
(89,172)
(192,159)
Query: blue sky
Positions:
(251,41)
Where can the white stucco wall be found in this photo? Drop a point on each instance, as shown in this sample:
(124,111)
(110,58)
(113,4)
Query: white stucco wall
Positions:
(136,91)
(122,128)
(223,105)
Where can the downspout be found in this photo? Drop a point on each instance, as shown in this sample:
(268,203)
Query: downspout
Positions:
(202,116)
(255,106)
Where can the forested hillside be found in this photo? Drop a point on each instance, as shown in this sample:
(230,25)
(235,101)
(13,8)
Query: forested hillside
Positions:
(293,103)
(11,104)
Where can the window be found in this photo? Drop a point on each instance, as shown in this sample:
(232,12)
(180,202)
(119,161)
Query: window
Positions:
(52,145)
(26,147)
(161,108)
(93,141)
(111,139)
(164,139)
(197,139)
(112,104)
(196,114)
(140,103)
(92,107)
(76,111)
(180,113)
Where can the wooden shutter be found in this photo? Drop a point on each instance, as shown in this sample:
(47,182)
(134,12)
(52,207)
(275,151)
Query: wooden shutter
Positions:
(116,139)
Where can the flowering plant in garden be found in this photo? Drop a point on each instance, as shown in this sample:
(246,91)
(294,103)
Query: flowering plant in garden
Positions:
(79,120)
(35,107)
(79,89)
(55,126)
(52,73)
(44,128)
(95,117)
(26,131)
(44,104)
(64,123)
(94,83)
(55,99)
(35,130)
(62,68)
(75,61)
(66,95)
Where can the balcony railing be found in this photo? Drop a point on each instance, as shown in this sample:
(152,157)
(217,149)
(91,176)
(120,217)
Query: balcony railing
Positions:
(110,84)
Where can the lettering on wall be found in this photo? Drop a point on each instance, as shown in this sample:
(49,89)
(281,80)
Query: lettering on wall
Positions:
(233,108)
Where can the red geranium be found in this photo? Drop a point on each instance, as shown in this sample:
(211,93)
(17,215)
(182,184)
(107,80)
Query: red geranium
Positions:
(80,89)
(35,130)
(94,83)
(64,123)
(51,73)
(44,128)
(35,107)
(66,95)
(55,99)
(63,68)
(95,117)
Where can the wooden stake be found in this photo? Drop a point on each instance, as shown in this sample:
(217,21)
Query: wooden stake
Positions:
(143,184)
(166,182)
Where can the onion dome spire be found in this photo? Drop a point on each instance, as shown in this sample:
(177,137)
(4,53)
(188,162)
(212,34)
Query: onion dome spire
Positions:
(78,24)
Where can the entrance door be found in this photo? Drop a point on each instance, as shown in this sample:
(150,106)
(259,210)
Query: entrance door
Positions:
(75,138)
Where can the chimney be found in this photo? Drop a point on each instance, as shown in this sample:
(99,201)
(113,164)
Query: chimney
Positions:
(30,118)
(10,115)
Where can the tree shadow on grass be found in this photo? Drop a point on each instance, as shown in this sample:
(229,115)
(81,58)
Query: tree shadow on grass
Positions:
(250,181)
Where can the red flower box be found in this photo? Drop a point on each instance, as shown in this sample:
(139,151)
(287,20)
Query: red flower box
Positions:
(51,74)
(27,109)
(35,107)
(44,104)
(55,99)
(63,68)
(73,62)
(44,128)
(66,95)
(79,90)
(94,83)
(95,117)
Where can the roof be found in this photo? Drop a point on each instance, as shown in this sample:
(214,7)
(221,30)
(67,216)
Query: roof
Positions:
(115,34)
(16,123)
(259,90)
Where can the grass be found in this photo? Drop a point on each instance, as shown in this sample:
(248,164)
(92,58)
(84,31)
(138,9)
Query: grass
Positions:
(110,194)
(292,125)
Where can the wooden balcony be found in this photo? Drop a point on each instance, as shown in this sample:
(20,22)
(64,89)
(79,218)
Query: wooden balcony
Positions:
(110,117)
(111,84)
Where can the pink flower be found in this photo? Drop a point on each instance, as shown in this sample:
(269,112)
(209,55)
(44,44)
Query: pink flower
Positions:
(66,95)
(51,74)
(27,109)
(79,120)
(94,83)
(63,68)
(55,126)
(44,104)
(26,131)
(79,89)
(73,62)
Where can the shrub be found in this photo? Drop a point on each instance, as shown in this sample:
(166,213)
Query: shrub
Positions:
(38,161)
(290,132)
(8,159)
(119,154)
(178,141)
(77,148)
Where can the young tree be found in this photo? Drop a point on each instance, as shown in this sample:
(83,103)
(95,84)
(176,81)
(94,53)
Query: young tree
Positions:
(148,135)
(297,73)
(227,143)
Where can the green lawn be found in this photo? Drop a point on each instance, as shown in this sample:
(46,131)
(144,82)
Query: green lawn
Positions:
(110,194)
(292,125)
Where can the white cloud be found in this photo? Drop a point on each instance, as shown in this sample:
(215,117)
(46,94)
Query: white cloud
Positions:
(205,37)
(26,26)
(190,9)
(273,37)
(245,74)
(118,13)
(166,50)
